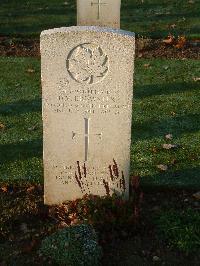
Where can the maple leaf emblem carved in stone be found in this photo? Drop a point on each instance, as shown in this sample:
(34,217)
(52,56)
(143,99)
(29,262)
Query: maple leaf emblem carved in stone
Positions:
(87,63)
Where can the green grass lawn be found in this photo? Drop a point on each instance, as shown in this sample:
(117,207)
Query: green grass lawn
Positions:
(166,100)
(180,229)
(150,18)
(20,109)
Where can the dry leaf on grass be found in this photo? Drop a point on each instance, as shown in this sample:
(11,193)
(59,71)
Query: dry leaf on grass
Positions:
(154,149)
(196,79)
(162,167)
(30,189)
(169,40)
(146,65)
(197,195)
(30,70)
(169,146)
(4,189)
(181,42)
(173,113)
(169,136)
(173,26)
(2,126)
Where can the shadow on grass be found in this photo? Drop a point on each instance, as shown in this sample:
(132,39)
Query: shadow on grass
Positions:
(34,29)
(21,107)
(20,151)
(163,89)
(38,18)
(175,125)
(188,178)
(52,11)
(30,18)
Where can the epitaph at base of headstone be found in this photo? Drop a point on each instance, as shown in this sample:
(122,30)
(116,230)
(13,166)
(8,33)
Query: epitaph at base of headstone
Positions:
(104,13)
(87,82)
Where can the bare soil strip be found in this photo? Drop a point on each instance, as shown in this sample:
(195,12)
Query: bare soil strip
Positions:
(145,48)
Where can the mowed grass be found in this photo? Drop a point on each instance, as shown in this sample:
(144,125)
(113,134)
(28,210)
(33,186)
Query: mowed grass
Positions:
(148,18)
(20,112)
(166,101)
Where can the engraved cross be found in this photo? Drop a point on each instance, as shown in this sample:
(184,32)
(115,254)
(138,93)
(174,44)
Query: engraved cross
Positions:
(87,136)
(99,3)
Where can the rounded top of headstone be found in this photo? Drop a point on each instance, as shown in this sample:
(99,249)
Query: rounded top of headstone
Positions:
(88,29)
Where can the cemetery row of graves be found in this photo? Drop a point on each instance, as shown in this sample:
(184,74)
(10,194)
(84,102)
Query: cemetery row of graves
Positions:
(76,105)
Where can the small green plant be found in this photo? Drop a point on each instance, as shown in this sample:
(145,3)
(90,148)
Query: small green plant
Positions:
(181,230)
(73,246)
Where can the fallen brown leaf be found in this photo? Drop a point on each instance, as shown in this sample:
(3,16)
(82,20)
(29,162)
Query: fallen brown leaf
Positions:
(2,126)
(173,113)
(75,221)
(196,79)
(173,26)
(154,149)
(156,258)
(30,189)
(162,167)
(169,136)
(181,42)
(197,195)
(30,70)
(169,146)
(170,40)
(146,65)
(4,189)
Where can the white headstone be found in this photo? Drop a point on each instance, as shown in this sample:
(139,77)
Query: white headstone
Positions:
(104,13)
(87,80)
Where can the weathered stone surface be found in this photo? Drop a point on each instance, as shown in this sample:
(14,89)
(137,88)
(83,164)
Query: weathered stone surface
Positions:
(87,81)
(105,13)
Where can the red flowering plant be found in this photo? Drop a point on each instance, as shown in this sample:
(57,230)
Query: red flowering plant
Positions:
(108,214)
